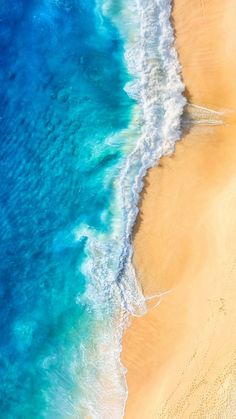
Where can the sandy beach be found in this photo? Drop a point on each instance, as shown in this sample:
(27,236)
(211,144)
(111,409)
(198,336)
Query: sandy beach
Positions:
(181,356)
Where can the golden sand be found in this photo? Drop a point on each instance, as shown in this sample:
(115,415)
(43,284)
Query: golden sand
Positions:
(181,356)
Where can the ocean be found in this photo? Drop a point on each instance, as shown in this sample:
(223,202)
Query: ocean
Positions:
(90,98)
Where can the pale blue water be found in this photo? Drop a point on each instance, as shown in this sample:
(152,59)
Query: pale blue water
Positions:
(62,75)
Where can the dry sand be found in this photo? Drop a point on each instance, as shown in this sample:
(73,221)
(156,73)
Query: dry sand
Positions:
(181,356)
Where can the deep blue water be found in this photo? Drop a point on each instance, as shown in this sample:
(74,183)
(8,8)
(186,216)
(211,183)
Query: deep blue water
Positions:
(62,77)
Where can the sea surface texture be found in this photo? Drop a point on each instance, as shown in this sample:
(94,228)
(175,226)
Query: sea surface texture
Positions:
(90,98)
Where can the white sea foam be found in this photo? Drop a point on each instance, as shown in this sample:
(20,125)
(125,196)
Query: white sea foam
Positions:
(158,90)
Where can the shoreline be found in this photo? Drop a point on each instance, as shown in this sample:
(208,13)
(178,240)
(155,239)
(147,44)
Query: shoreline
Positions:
(184,241)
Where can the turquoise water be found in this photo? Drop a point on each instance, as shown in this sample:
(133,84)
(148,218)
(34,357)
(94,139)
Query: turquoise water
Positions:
(62,75)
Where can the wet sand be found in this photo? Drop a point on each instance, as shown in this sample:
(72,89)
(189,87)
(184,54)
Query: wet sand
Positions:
(181,356)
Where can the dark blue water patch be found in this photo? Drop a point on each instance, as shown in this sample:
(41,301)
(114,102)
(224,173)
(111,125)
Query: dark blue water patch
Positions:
(62,78)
